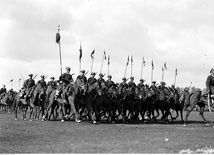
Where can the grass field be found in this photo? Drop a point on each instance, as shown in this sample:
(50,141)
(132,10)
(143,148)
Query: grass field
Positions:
(69,137)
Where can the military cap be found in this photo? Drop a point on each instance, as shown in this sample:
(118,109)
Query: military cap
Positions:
(30,74)
(131,77)
(110,76)
(68,68)
(153,81)
(163,83)
(52,77)
(186,89)
(123,78)
(142,80)
(173,85)
(82,71)
(93,73)
(101,74)
(211,70)
(42,76)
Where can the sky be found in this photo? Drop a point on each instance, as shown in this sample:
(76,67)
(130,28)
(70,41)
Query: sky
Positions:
(179,33)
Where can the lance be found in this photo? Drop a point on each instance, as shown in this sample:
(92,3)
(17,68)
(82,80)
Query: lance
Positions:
(11,83)
(46,76)
(131,65)
(108,63)
(104,55)
(80,57)
(175,76)
(35,76)
(126,66)
(152,71)
(19,82)
(92,60)
(143,64)
(163,70)
(58,41)
(24,80)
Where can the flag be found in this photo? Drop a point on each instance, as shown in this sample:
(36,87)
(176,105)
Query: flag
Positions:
(152,65)
(92,54)
(11,80)
(127,61)
(20,79)
(144,62)
(131,59)
(58,35)
(104,55)
(80,57)
(176,72)
(108,59)
(165,65)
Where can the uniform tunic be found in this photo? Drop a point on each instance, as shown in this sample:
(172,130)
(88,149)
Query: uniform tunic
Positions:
(210,84)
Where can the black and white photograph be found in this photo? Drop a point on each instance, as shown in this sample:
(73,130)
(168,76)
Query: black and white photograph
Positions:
(107,77)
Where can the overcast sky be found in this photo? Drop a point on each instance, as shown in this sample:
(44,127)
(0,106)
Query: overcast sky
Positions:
(178,32)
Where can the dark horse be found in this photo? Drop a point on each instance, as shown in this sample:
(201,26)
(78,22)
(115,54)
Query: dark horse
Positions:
(190,101)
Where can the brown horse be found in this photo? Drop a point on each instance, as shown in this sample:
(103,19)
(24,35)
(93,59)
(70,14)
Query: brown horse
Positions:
(190,101)
(70,92)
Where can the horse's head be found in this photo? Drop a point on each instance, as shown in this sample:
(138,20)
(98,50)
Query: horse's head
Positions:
(42,94)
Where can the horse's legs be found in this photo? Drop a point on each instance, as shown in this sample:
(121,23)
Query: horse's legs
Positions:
(201,113)
(187,114)
(181,113)
(71,100)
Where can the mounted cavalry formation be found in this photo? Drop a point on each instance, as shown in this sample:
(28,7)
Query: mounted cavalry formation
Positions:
(93,99)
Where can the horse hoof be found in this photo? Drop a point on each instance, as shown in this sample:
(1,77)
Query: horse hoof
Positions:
(78,121)
(184,125)
(207,124)
(113,122)
(16,119)
(94,122)
(30,120)
(62,120)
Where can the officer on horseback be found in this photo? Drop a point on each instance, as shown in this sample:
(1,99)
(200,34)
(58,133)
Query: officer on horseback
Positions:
(66,78)
(100,80)
(82,76)
(92,79)
(131,84)
(109,82)
(28,86)
(42,82)
(210,82)
(3,91)
(141,84)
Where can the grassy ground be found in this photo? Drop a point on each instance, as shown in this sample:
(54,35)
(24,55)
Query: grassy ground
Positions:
(69,137)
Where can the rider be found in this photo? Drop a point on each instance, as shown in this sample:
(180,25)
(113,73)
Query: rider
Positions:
(141,84)
(131,84)
(29,86)
(66,78)
(100,80)
(42,82)
(109,82)
(123,85)
(51,85)
(3,90)
(92,79)
(210,82)
(82,76)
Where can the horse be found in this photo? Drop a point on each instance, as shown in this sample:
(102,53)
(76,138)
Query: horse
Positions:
(70,93)
(38,99)
(176,105)
(193,99)
(7,101)
(163,103)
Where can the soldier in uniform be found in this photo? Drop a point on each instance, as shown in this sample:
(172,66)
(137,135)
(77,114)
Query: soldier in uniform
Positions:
(29,86)
(153,86)
(141,84)
(131,84)
(51,85)
(42,82)
(100,80)
(66,78)
(210,82)
(82,76)
(123,85)
(92,79)
(109,82)
(3,90)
